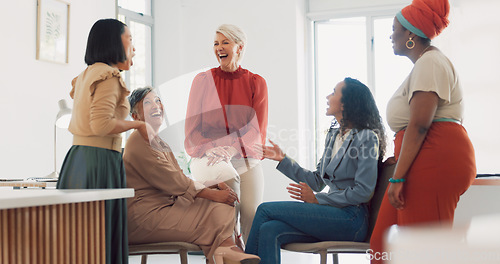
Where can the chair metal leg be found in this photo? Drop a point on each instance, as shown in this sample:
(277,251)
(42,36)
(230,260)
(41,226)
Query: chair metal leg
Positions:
(335,258)
(144,259)
(184,256)
(323,256)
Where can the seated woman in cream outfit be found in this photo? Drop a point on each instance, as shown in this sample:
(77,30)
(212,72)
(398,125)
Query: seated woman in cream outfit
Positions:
(226,117)
(169,206)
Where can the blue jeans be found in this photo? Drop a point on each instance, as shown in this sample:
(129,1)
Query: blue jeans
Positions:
(278,223)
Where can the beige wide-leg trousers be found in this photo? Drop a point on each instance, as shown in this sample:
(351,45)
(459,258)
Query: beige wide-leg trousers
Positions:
(244,176)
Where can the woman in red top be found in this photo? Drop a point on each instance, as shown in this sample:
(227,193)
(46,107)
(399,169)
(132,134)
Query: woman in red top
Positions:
(226,117)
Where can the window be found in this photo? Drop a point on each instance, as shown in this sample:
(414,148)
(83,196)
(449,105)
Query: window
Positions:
(137,15)
(142,7)
(389,70)
(341,52)
(357,47)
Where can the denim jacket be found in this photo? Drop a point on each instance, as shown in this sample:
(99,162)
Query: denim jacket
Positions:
(351,174)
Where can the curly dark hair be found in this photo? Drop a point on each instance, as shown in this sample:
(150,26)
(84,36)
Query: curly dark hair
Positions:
(361,112)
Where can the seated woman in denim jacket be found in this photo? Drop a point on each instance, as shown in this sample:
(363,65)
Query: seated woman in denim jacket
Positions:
(354,146)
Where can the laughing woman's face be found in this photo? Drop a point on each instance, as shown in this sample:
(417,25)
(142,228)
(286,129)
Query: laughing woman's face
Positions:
(151,110)
(227,52)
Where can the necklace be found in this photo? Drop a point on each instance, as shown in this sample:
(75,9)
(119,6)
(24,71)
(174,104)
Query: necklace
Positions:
(344,134)
(423,51)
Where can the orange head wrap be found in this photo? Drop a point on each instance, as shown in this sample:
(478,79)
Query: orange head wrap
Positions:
(425,18)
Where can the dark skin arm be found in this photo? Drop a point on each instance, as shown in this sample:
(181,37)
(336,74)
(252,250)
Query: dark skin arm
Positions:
(423,106)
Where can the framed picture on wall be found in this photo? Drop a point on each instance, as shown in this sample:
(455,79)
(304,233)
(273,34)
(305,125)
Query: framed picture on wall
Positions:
(52,31)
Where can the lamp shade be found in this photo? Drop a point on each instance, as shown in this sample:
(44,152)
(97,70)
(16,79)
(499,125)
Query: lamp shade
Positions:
(64,115)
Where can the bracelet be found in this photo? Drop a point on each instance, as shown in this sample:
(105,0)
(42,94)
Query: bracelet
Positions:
(391,180)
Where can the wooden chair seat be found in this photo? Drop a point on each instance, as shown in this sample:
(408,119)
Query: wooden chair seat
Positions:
(336,247)
(329,247)
(181,248)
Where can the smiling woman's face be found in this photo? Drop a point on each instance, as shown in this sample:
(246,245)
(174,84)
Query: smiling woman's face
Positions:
(227,52)
(150,110)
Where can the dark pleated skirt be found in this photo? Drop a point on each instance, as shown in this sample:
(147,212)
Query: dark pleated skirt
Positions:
(97,168)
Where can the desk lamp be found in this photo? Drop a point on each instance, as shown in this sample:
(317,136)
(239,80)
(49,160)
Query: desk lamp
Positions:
(62,121)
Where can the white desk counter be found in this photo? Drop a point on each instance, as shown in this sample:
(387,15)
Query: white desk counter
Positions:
(493,180)
(10,198)
(474,238)
(477,242)
(480,199)
(54,226)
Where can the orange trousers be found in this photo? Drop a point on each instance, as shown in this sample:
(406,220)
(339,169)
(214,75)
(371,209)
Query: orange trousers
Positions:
(442,171)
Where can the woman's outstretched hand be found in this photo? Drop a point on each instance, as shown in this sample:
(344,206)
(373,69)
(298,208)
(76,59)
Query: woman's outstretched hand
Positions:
(302,192)
(268,152)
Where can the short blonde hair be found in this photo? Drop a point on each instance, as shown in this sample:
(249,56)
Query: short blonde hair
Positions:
(235,34)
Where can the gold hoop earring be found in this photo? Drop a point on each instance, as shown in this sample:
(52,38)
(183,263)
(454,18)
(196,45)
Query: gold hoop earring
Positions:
(410,44)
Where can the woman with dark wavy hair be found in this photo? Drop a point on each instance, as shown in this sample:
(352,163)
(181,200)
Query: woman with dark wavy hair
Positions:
(360,111)
(354,147)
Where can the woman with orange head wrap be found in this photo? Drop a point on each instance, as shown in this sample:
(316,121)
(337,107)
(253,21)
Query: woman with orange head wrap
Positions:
(435,158)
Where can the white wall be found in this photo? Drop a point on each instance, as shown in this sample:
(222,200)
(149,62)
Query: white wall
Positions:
(32,88)
(335,5)
(275,31)
(470,45)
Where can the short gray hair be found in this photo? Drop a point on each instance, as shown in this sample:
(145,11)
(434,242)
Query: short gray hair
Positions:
(235,34)
(136,96)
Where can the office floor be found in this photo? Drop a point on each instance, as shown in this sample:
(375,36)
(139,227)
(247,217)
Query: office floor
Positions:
(286,258)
